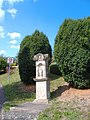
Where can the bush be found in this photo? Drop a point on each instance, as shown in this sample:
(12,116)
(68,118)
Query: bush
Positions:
(3,64)
(30,46)
(54,69)
(72,52)
(14,64)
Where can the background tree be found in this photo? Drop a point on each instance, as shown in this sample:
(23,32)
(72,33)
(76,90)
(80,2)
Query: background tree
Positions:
(72,51)
(30,46)
(3,63)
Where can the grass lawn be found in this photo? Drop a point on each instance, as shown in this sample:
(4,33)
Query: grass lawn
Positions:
(62,110)
(14,92)
(59,110)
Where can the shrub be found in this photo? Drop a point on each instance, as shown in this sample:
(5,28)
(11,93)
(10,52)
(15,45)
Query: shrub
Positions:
(3,64)
(72,52)
(30,46)
(54,69)
(14,64)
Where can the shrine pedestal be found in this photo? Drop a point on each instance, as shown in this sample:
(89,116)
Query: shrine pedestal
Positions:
(42,82)
(42,91)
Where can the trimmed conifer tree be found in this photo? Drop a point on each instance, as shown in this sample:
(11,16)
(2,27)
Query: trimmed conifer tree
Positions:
(72,52)
(30,46)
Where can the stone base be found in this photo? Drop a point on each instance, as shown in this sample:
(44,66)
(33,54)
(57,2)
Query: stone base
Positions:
(41,101)
(42,90)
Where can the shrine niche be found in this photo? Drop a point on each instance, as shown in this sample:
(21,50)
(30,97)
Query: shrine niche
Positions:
(40,70)
(41,65)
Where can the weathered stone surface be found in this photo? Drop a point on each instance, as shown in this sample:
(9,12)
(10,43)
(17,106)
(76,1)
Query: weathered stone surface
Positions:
(42,82)
(43,90)
(26,111)
(2,96)
(2,99)
(41,65)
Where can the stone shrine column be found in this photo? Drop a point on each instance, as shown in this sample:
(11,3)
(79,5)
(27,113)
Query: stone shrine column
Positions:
(42,82)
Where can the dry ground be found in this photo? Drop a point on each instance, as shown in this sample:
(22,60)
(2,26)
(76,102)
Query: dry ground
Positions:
(76,98)
(69,93)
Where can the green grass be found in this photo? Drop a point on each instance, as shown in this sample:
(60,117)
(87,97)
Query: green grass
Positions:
(55,85)
(14,95)
(61,111)
(58,110)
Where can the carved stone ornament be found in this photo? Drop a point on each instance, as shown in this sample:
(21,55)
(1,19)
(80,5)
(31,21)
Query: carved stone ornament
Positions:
(40,57)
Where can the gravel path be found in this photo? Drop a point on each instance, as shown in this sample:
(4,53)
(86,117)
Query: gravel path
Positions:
(2,99)
(2,96)
(26,111)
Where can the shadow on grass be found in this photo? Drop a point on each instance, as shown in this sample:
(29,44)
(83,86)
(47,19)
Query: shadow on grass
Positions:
(14,93)
(2,72)
(59,91)
(53,76)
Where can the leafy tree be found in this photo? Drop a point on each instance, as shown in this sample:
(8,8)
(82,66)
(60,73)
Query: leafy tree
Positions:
(3,63)
(72,51)
(30,46)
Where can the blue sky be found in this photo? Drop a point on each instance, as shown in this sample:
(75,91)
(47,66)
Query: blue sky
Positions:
(19,18)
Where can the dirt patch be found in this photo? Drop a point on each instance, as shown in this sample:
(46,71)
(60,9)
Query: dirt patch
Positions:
(69,93)
(76,98)
(27,88)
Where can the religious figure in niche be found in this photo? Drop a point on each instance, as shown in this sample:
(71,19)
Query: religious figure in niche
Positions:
(40,71)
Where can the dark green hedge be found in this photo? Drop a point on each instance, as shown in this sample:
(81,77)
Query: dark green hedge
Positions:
(54,69)
(72,51)
(30,46)
(3,63)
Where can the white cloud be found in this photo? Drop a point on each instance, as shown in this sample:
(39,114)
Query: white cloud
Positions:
(1,32)
(1,3)
(2,52)
(15,46)
(14,35)
(13,42)
(11,2)
(12,12)
(36,0)
(2,14)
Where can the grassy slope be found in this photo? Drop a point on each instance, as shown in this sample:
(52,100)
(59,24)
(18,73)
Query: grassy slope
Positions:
(60,110)
(14,95)
(57,111)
